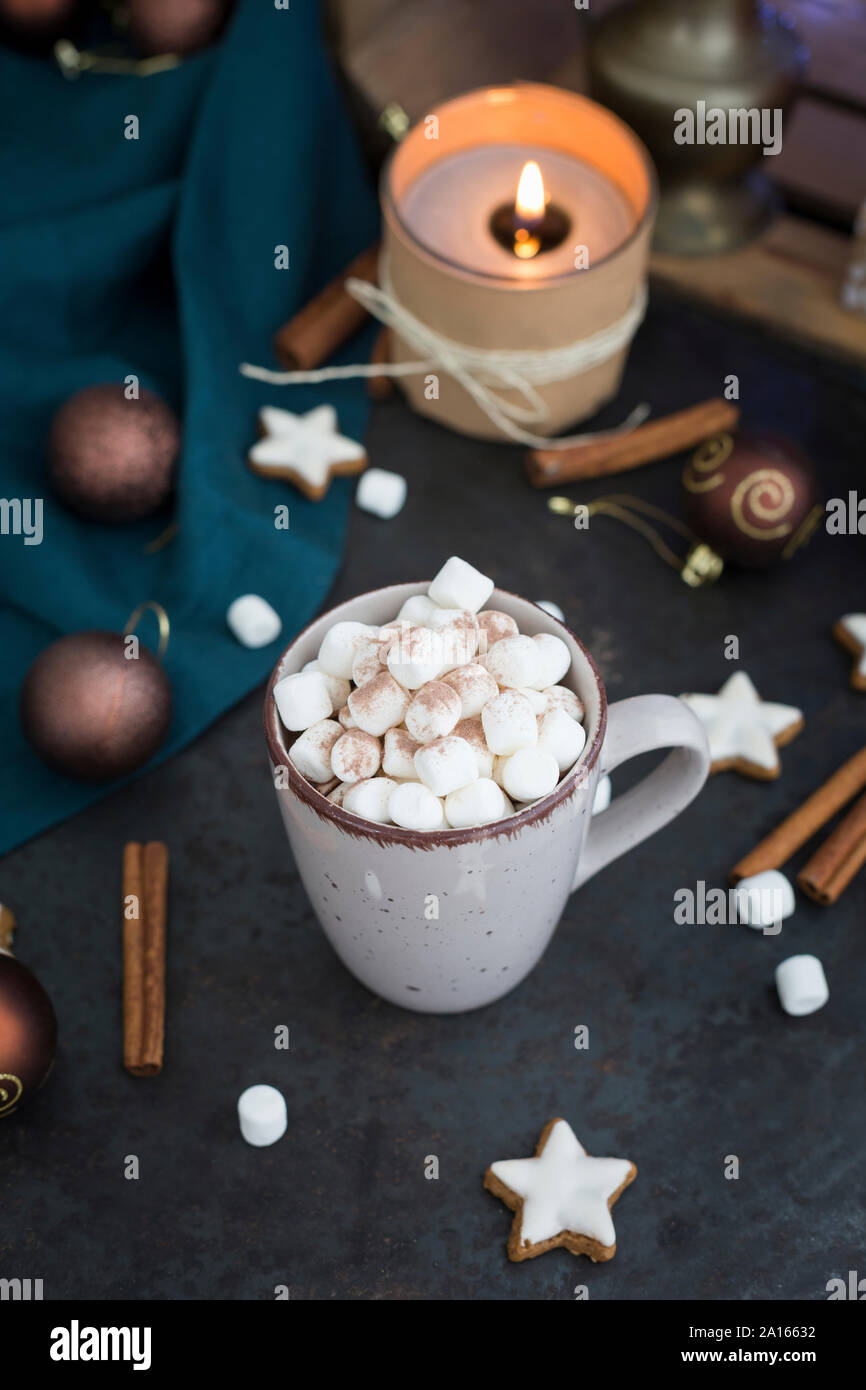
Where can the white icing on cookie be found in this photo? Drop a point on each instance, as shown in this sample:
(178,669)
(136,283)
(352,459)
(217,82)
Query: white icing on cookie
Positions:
(854,624)
(308,445)
(564,1189)
(740,724)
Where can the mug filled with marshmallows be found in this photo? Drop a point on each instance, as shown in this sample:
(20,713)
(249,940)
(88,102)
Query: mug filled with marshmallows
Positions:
(436,749)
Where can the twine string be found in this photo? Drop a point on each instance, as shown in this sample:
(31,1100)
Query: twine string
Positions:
(150,605)
(485,373)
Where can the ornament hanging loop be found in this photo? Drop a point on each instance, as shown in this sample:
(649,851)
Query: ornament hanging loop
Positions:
(161,617)
(700,565)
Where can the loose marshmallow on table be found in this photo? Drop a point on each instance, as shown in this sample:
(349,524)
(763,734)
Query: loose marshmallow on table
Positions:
(554,660)
(302,700)
(509,723)
(398,757)
(552,608)
(446,765)
(530,773)
(381,492)
(802,985)
(433,711)
(472,730)
(339,645)
(369,799)
(338,689)
(379,704)
(356,756)
(417,610)
(414,807)
(603,793)
(262,1115)
(764,899)
(474,685)
(478,804)
(416,657)
(495,625)
(515,661)
(459,585)
(563,737)
(253,621)
(311,751)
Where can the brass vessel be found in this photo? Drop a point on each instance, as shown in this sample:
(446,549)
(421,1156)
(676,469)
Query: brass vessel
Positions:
(650,59)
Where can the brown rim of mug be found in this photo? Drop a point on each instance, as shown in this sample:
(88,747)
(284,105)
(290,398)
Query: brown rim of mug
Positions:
(421,839)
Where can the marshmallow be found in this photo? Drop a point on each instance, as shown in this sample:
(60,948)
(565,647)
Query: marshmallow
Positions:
(515,661)
(417,610)
(494,626)
(345,718)
(338,793)
(554,659)
(552,608)
(536,698)
(802,985)
(563,737)
(765,899)
(460,632)
(302,700)
(414,806)
(509,722)
(398,758)
(603,793)
(369,799)
(433,712)
(472,730)
(446,765)
(339,646)
(418,656)
(311,751)
(379,704)
(355,756)
(253,621)
(338,689)
(478,804)
(367,662)
(381,492)
(459,585)
(474,685)
(262,1115)
(530,773)
(560,697)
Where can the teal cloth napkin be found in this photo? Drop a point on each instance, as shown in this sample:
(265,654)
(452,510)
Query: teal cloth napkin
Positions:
(156,257)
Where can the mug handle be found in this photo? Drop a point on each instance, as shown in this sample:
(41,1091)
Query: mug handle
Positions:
(638,726)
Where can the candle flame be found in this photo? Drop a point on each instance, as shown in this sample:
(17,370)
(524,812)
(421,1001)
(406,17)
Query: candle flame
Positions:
(529,204)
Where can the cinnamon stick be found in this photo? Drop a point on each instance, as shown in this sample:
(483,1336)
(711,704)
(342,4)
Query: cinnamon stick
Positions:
(145,883)
(838,859)
(327,320)
(800,826)
(658,439)
(379,388)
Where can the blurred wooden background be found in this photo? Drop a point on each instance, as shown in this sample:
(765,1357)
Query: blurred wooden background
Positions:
(417,52)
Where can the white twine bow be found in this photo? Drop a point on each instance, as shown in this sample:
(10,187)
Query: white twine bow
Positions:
(483,372)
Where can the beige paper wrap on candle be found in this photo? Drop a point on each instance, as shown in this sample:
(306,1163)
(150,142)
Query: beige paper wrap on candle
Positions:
(519,313)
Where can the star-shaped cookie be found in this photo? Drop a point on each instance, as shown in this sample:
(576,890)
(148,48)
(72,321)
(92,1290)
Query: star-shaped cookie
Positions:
(744,731)
(561,1197)
(850,631)
(304,449)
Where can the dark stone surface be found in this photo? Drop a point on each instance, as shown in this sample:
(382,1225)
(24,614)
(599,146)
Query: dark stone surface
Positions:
(690,1057)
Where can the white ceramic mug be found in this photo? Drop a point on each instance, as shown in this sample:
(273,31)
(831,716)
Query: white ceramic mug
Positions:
(449,920)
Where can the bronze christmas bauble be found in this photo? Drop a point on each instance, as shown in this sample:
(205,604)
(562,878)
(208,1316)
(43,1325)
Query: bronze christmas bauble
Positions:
(28,1034)
(752,497)
(175,26)
(113,459)
(93,712)
(37,23)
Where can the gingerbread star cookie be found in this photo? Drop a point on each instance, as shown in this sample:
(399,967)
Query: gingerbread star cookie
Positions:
(304,449)
(561,1197)
(743,730)
(850,632)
